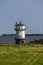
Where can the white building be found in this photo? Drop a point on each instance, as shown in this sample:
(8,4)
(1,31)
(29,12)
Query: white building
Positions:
(20,33)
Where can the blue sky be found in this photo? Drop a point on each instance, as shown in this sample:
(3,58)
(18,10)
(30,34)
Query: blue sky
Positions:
(30,12)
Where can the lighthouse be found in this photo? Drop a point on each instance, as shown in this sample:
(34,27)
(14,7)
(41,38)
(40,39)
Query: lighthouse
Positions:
(20,33)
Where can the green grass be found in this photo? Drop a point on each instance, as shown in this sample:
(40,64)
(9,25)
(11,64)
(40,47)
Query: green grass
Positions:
(21,55)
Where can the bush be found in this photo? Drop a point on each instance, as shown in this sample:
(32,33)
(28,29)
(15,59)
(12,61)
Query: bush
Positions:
(40,41)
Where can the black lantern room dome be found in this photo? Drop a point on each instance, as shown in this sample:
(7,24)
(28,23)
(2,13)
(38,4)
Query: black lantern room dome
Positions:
(20,24)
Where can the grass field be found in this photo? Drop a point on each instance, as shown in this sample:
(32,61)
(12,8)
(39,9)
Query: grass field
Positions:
(21,55)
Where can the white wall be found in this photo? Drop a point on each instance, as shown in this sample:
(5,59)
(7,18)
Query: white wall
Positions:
(20,34)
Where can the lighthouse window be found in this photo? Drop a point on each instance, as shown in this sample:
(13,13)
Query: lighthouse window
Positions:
(22,41)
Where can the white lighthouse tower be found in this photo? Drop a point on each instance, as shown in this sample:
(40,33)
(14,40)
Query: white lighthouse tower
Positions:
(20,33)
